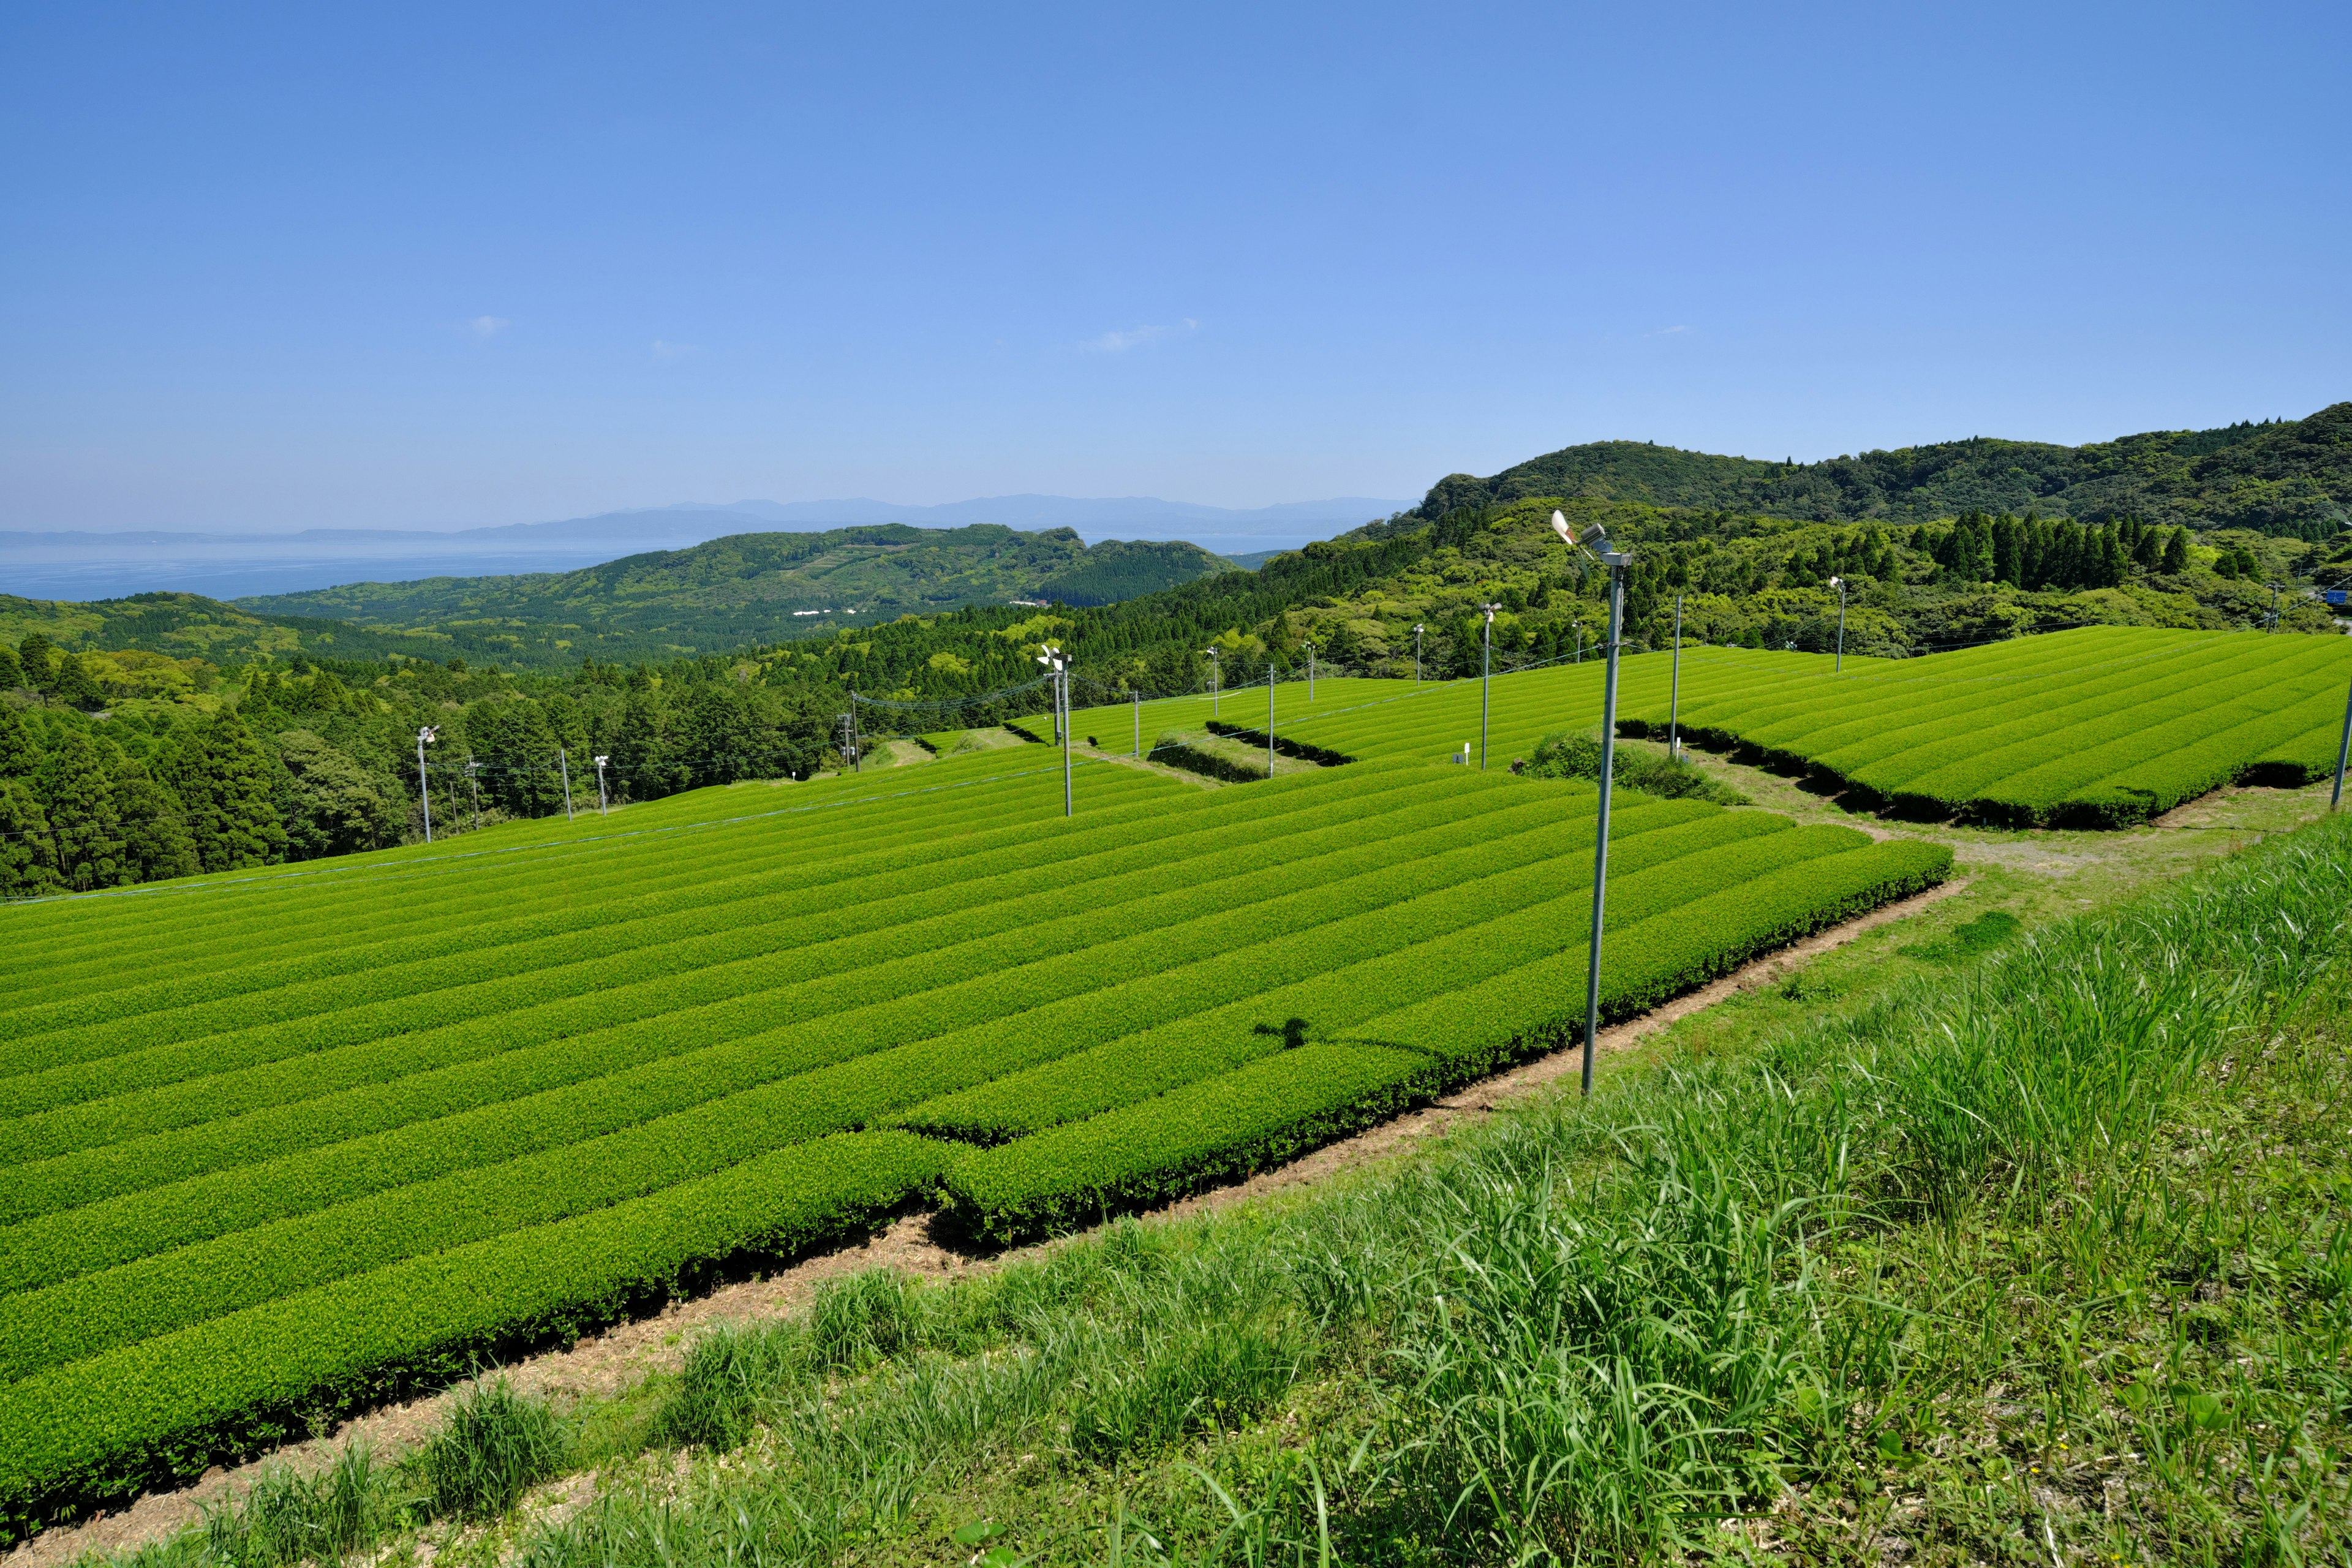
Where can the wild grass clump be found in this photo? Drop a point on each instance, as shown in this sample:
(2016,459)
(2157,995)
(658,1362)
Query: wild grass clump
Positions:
(493,1447)
(1576,755)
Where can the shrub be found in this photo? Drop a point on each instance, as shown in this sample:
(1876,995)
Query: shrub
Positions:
(493,1447)
(1576,755)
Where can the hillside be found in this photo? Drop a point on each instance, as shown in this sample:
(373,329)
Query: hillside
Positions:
(2291,477)
(759,587)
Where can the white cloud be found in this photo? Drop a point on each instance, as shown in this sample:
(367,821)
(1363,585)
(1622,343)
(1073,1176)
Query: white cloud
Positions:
(1668,331)
(488,326)
(1120,343)
(665,351)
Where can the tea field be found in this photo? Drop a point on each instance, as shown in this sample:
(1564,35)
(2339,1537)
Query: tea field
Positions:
(2099,727)
(284,1142)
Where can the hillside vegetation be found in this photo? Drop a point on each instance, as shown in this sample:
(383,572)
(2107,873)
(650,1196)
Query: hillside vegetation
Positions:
(2288,477)
(754,588)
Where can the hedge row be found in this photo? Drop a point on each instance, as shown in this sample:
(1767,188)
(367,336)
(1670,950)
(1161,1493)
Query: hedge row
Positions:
(812,942)
(874,873)
(165,1408)
(329,1096)
(1304,750)
(1222,1127)
(1517,920)
(1175,751)
(715,873)
(317,900)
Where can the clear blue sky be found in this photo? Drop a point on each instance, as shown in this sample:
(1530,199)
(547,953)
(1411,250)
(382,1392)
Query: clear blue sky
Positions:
(439,266)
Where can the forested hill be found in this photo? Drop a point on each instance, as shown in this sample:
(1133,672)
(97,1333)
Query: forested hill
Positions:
(754,588)
(2285,478)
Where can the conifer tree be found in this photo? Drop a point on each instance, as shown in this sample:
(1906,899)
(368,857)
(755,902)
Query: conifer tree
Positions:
(2176,550)
(18,755)
(77,787)
(37,656)
(224,779)
(154,827)
(28,860)
(74,685)
(12,670)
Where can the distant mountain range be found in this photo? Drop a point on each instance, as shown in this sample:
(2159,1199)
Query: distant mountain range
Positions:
(81,565)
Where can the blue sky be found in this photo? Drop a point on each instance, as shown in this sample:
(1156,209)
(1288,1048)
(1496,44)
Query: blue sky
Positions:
(438,267)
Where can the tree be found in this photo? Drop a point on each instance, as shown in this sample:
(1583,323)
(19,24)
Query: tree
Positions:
(37,656)
(77,787)
(12,670)
(28,860)
(224,779)
(331,804)
(153,825)
(2176,550)
(18,755)
(74,685)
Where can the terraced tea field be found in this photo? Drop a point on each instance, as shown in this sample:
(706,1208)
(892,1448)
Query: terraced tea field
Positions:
(2101,727)
(286,1141)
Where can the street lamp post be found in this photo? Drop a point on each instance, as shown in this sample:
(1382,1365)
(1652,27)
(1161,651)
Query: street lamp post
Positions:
(1486,680)
(601,809)
(1839,584)
(1617,561)
(424,738)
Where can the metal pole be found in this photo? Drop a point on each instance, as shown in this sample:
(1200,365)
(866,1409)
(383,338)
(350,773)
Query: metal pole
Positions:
(2343,748)
(474,782)
(1485,686)
(1841,651)
(1486,680)
(565,769)
(1674,697)
(424,794)
(601,809)
(1138,726)
(1416,658)
(1062,681)
(1310,672)
(856,741)
(1269,718)
(1600,848)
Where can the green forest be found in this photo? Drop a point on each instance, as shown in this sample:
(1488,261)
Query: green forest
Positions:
(2291,477)
(750,588)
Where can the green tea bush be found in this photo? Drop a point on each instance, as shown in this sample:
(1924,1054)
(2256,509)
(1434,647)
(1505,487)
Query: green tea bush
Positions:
(1577,755)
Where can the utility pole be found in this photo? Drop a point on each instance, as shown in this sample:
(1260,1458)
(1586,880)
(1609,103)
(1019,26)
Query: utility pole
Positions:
(474,782)
(1486,681)
(1139,725)
(1580,643)
(564,768)
(856,736)
(1269,718)
(1058,668)
(847,746)
(2275,594)
(601,809)
(424,738)
(1839,584)
(1215,685)
(1616,560)
(1310,670)
(1674,697)
(1416,658)
(2343,750)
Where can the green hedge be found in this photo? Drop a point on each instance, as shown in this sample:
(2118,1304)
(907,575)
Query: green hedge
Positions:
(165,1408)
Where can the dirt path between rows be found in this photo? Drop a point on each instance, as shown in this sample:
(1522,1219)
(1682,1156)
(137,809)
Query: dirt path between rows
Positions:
(608,1363)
